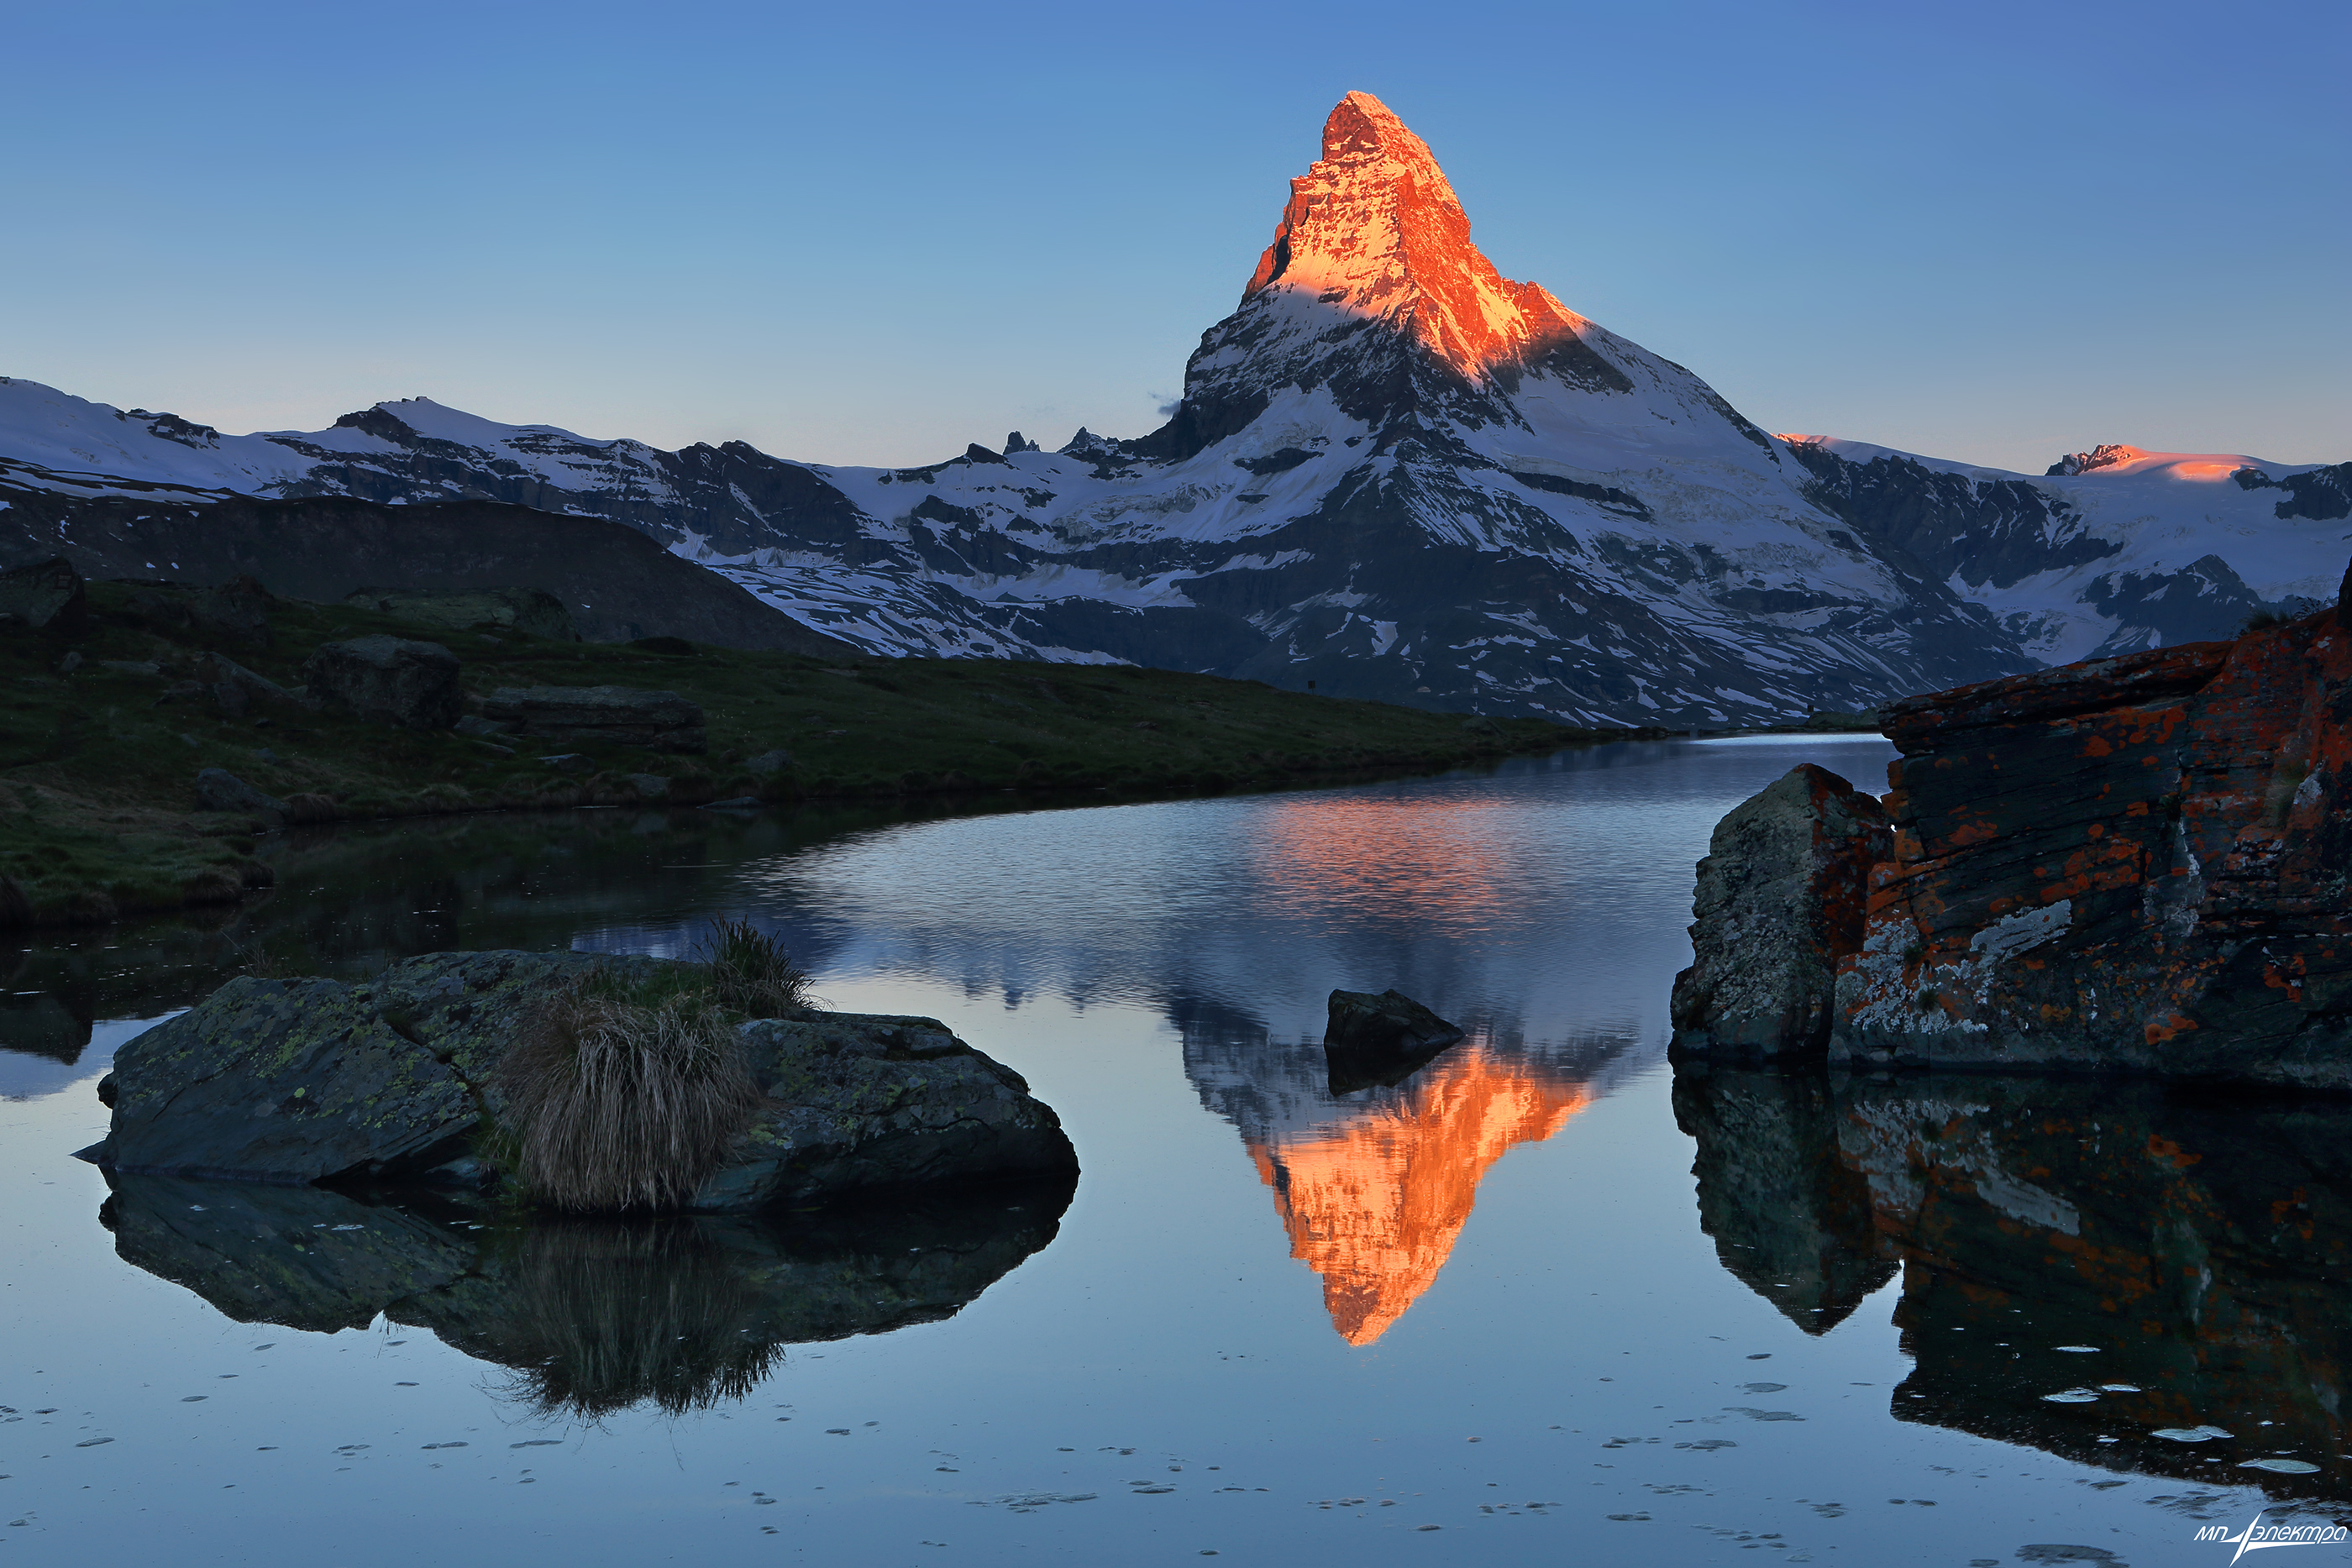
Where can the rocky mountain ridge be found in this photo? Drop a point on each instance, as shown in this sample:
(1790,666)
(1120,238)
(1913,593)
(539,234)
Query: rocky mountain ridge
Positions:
(1394,474)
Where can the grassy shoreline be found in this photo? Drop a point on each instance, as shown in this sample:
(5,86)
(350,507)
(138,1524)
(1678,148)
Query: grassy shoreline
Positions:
(98,761)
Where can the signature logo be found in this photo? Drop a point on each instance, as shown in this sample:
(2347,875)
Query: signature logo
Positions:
(2259,1537)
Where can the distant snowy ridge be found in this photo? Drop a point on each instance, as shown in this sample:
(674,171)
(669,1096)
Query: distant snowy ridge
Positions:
(1393,473)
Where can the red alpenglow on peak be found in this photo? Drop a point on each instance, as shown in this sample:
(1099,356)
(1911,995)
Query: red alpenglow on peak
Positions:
(1374,227)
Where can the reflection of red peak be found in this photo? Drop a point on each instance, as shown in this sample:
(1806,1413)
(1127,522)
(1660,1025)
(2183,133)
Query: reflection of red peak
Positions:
(1375,1203)
(1374,227)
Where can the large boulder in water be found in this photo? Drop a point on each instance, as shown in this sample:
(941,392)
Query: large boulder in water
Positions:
(399,1078)
(1780,900)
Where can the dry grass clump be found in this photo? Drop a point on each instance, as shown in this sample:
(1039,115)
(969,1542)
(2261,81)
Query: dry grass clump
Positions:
(627,1092)
(751,973)
(625,1098)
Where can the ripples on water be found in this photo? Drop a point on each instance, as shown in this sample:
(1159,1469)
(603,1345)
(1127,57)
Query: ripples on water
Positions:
(1475,1315)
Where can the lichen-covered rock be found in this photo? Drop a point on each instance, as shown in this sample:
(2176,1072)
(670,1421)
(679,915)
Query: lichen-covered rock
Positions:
(281,1081)
(2133,863)
(861,1099)
(304,1081)
(1780,900)
(390,679)
(619,716)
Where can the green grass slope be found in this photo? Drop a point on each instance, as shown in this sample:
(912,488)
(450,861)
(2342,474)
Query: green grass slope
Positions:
(97,763)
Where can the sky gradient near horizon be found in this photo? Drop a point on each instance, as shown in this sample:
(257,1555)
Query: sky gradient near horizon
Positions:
(1994,234)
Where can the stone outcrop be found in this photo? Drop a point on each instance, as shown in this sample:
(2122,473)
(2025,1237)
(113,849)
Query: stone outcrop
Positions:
(2135,862)
(861,1099)
(615,716)
(33,595)
(390,679)
(308,1081)
(1779,902)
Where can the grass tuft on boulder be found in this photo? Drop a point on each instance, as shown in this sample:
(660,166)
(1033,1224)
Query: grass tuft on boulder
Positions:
(627,1095)
(751,974)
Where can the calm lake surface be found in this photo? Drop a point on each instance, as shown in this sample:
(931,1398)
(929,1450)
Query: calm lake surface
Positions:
(1537,1303)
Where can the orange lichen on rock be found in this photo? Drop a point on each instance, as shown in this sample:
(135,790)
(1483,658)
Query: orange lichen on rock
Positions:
(2167,834)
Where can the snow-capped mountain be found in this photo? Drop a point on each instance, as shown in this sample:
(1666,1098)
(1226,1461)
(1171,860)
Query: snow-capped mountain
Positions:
(2113,550)
(1393,473)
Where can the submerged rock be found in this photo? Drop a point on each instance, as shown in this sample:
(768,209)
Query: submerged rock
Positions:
(312,1080)
(1780,900)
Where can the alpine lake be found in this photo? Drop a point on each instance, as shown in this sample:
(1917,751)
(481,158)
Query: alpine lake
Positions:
(1544,1300)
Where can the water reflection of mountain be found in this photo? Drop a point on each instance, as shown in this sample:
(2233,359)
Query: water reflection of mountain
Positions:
(2202,1249)
(590,1316)
(1374,1186)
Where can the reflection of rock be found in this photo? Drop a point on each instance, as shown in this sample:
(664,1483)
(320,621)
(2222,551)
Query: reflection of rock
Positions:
(592,1315)
(299,1081)
(1375,1187)
(1788,1220)
(2203,1249)
(298,1256)
(42,1026)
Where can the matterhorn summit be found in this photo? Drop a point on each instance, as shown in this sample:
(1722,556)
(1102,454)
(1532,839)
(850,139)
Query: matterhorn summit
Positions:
(1393,473)
(1373,231)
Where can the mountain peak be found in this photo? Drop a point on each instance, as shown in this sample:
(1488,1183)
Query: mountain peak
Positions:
(1373,226)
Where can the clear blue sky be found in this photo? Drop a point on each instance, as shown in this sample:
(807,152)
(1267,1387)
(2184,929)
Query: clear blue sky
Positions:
(869,234)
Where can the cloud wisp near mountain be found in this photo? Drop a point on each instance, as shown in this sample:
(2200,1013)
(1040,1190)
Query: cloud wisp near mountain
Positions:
(1393,473)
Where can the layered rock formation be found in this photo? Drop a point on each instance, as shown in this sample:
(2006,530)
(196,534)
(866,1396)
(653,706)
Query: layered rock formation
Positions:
(2135,862)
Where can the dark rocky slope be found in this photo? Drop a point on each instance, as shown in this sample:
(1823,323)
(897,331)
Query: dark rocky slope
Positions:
(617,583)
